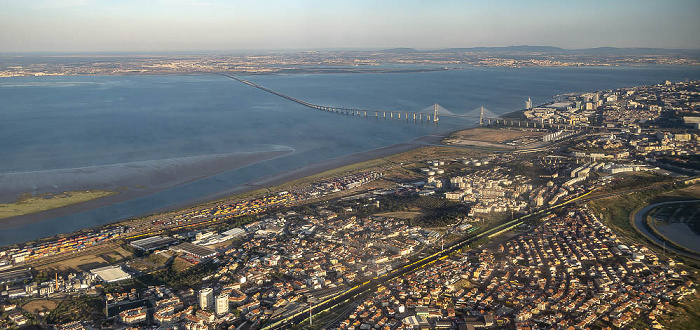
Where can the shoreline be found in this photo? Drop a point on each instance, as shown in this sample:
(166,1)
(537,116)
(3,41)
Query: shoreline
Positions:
(173,173)
(279,71)
(432,139)
(275,180)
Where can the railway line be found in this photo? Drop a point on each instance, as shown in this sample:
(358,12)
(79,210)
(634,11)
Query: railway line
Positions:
(370,285)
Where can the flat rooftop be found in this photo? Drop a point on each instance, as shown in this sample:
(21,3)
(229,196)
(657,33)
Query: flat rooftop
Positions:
(153,243)
(16,275)
(111,273)
(193,249)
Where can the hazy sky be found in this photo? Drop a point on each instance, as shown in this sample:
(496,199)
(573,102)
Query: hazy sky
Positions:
(217,25)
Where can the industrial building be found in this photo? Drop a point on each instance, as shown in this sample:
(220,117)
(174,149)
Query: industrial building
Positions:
(233,233)
(110,274)
(153,243)
(16,275)
(194,250)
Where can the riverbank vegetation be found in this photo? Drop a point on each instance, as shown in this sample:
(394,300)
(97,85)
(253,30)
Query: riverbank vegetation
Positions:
(28,203)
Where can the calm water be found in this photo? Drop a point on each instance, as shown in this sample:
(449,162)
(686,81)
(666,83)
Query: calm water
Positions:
(49,123)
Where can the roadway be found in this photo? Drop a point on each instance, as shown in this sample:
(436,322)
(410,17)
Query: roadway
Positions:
(349,111)
(641,227)
(371,285)
(359,112)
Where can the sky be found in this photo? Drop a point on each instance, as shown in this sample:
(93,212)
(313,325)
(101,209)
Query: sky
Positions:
(218,25)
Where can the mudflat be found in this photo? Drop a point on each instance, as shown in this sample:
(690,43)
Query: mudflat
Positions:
(129,180)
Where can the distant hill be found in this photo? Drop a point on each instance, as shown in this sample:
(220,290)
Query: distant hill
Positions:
(523,48)
(633,51)
(399,50)
(551,50)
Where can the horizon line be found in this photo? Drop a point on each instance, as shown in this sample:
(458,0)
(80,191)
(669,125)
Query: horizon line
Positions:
(322,49)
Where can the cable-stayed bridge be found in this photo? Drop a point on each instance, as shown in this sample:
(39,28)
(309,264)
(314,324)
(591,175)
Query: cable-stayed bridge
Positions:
(429,114)
(432,116)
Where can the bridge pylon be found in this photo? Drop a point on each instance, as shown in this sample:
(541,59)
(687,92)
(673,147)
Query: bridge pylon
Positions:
(435,113)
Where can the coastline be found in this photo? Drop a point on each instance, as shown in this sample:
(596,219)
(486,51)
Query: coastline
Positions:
(165,174)
(432,139)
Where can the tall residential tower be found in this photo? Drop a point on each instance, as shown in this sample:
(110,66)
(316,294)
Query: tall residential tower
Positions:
(206,298)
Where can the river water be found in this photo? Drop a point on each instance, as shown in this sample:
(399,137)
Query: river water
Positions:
(66,124)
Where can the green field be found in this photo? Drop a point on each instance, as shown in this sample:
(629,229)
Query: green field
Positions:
(28,203)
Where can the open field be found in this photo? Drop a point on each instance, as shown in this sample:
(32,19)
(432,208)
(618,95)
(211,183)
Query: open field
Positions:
(77,308)
(81,263)
(632,181)
(684,314)
(433,153)
(400,215)
(36,306)
(93,258)
(488,135)
(692,192)
(616,210)
(27,203)
(180,264)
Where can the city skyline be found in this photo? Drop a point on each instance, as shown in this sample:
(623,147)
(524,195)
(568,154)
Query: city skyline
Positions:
(212,25)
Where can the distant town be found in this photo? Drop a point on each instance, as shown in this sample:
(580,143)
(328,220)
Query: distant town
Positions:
(521,223)
(391,60)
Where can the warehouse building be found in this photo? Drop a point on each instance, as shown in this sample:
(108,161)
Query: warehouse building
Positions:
(110,274)
(153,243)
(194,250)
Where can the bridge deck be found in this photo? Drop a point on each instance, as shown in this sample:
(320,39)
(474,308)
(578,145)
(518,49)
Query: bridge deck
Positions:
(417,116)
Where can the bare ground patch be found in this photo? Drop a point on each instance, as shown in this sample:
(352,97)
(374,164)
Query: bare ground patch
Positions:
(692,192)
(36,306)
(432,152)
(400,215)
(489,135)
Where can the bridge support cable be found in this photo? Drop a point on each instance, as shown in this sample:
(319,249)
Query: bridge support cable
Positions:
(432,113)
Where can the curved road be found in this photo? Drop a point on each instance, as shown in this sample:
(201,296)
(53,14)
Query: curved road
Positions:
(642,228)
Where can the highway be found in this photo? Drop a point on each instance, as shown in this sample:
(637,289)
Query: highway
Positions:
(371,285)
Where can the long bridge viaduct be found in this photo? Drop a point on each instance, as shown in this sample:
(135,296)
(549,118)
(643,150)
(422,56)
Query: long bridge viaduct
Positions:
(414,116)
